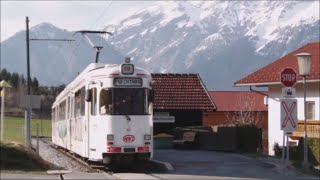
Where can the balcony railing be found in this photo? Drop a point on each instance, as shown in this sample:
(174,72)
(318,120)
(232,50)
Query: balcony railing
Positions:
(313,129)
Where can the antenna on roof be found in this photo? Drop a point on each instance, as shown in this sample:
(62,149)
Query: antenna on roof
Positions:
(98,48)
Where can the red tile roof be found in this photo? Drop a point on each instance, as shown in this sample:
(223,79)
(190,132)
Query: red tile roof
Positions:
(238,101)
(181,92)
(270,74)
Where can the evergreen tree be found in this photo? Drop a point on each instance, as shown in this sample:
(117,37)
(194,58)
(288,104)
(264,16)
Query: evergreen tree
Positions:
(14,81)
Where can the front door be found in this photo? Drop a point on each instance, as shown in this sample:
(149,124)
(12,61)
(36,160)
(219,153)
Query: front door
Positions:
(93,117)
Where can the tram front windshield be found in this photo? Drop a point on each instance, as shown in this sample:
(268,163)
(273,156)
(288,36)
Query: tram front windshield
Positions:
(124,101)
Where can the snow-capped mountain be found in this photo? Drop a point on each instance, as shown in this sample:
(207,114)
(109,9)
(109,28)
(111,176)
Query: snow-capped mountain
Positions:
(54,62)
(221,40)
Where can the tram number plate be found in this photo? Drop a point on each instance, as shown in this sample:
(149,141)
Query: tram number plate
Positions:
(129,149)
(128,82)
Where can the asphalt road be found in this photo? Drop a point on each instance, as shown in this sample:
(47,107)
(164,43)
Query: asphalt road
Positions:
(193,165)
(219,165)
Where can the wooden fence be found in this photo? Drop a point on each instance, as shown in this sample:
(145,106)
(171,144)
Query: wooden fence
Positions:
(313,129)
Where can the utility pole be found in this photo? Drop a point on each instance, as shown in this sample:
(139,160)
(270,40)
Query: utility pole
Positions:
(29,108)
(28,123)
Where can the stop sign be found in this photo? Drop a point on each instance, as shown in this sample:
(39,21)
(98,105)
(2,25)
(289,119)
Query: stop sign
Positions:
(288,77)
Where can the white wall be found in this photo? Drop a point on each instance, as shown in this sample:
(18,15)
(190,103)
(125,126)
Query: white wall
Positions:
(275,134)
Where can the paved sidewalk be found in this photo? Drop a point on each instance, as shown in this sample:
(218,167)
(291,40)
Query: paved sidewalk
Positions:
(83,175)
(72,175)
(4,176)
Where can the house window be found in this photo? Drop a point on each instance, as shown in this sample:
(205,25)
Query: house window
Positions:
(310,110)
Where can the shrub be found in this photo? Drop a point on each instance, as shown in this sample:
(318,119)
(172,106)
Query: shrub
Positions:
(313,150)
(296,152)
(277,150)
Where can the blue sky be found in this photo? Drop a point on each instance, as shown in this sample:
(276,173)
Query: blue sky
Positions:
(70,15)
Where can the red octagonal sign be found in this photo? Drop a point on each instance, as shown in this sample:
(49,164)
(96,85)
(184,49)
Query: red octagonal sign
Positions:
(288,77)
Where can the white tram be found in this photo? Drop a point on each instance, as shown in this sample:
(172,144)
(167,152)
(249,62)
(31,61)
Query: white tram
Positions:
(105,114)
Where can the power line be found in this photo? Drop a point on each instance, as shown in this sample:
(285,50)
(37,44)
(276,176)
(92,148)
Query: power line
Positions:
(97,20)
(101,15)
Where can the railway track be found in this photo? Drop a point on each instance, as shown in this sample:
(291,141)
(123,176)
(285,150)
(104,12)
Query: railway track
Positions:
(139,167)
(91,167)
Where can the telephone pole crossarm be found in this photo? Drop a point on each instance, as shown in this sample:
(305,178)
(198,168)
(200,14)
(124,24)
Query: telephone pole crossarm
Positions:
(33,39)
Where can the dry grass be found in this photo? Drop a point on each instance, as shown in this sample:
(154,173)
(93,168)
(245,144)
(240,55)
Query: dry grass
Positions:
(17,157)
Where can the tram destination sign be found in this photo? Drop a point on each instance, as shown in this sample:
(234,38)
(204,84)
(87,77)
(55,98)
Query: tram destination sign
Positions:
(128,82)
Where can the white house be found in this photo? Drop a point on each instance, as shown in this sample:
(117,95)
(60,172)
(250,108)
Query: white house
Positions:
(269,76)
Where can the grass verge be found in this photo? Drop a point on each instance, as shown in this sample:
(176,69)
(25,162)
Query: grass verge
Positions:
(14,128)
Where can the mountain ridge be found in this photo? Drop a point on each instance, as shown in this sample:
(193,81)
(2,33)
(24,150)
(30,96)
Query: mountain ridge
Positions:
(222,41)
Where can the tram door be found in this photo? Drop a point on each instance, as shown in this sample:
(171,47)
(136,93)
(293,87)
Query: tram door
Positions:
(93,124)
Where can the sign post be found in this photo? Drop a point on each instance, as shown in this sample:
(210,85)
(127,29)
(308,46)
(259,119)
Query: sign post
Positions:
(288,105)
(3,86)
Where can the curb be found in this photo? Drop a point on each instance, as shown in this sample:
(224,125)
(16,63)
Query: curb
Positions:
(166,165)
(58,172)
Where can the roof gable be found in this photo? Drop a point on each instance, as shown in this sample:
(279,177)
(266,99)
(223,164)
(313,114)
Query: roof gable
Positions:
(238,101)
(181,92)
(270,74)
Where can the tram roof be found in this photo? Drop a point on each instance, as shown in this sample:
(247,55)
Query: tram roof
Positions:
(93,68)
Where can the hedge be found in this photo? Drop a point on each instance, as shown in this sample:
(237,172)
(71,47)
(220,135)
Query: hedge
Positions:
(249,138)
(296,152)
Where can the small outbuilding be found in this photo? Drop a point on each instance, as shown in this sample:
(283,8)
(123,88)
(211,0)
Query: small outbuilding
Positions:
(179,100)
(236,107)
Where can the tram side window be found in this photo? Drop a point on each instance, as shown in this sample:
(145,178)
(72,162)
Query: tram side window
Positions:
(62,110)
(79,109)
(146,102)
(69,108)
(77,104)
(105,105)
(72,107)
(53,114)
(82,96)
(57,113)
(94,101)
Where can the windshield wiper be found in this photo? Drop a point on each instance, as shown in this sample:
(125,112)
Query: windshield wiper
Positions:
(127,117)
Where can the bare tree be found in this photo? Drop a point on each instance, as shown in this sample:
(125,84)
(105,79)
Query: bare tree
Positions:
(244,111)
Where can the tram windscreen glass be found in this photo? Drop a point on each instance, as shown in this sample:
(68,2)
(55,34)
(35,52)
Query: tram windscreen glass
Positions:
(129,101)
(124,101)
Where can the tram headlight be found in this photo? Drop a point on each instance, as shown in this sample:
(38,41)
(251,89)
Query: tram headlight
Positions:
(147,137)
(110,137)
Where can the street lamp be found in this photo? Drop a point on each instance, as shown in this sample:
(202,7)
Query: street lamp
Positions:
(3,86)
(304,63)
